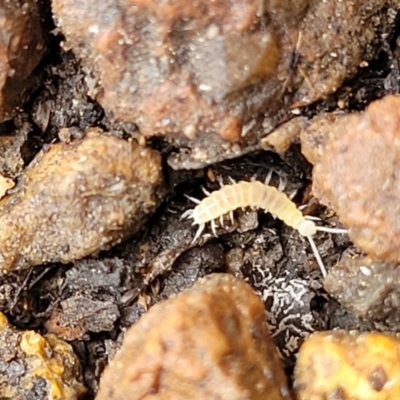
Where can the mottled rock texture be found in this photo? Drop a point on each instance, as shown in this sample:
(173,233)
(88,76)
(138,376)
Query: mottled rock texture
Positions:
(367,288)
(209,342)
(22,46)
(358,175)
(215,77)
(37,367)
(78,198)
(348,366)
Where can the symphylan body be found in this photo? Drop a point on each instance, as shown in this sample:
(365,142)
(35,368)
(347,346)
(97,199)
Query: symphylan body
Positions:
(252,194)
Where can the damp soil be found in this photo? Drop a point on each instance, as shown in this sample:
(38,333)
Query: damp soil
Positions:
(91,302)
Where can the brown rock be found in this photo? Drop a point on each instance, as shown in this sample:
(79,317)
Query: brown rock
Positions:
(357,175)
(331,42)
(13,147)
(214,78)
(367,288)
(22,46)
(208,342)
(76,199)
(348,366)
(35,366)
(169,66)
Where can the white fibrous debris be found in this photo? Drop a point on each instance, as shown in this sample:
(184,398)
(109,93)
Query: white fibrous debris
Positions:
(288,310)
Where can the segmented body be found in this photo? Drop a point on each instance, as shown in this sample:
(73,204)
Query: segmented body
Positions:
(252,194)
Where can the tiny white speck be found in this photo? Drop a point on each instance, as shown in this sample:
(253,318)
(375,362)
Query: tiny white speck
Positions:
(365,270)
(205,88)
(94,29)
(296,111)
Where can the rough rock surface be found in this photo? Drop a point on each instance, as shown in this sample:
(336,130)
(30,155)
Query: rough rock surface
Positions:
(76,199)
(5,184)
(358,176)
(211,341)
(37,367)
(369,289)
(216,77)
(348,366)
(318,132)
(22,46)
(330,43)
(179,60)
(13,149)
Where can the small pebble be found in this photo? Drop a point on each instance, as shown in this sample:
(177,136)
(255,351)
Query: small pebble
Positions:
(348,366)
(37,367)
(209,342)
(78,198)
(357,175)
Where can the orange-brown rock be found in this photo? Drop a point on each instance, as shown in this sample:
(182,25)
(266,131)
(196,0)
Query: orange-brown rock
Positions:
(348,366)
(76,199)
(215,77)
(357,174)
(5,184)
(37,367)
(209,342)
(22,46)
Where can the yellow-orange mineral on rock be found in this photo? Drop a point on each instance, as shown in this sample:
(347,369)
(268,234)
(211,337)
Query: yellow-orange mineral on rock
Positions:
(348,366)
(35,366)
